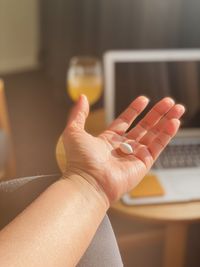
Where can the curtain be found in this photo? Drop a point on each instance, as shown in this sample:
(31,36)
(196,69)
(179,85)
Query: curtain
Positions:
(92,27)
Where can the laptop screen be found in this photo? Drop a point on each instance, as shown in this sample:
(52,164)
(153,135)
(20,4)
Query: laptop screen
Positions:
(156,74)
(178,79)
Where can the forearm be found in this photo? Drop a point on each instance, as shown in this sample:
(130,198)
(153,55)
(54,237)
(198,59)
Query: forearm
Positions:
(56,229)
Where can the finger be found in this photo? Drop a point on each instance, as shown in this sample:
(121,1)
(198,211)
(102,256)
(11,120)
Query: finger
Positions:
(152,117)
(142,153)
(79,113)
(122,123)
(160,142)
(145,156)
(175,112)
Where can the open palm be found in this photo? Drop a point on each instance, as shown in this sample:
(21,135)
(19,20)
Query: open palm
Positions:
(99,159)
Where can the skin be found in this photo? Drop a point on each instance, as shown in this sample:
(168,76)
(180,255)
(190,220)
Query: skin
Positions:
(57,228)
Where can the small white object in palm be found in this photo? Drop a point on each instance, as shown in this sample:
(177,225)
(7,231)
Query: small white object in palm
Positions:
(126,148)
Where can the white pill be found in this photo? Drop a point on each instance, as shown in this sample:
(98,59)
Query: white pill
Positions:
(126,148)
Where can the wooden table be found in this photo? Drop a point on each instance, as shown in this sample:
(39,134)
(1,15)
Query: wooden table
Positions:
(176,217)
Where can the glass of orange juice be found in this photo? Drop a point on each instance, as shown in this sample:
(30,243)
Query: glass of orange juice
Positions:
(85,77)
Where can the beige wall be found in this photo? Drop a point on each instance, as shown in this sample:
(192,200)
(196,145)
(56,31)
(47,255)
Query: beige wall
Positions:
(19,35)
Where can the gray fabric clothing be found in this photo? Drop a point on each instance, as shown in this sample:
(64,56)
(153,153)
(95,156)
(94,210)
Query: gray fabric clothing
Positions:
(16,194)
(103,250)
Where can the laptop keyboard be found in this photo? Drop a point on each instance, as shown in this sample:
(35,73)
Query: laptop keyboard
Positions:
(179,156)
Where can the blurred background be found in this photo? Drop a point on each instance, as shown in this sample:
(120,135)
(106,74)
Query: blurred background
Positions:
(37,41)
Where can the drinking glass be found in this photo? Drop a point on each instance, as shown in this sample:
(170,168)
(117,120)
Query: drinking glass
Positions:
(84,76)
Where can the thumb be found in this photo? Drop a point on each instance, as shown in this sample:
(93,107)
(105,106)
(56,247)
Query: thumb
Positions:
(79,113)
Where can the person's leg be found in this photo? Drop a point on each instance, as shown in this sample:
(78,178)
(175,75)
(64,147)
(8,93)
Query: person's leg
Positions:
(16,195)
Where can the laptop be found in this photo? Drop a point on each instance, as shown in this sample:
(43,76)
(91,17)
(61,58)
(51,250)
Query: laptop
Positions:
(156,74)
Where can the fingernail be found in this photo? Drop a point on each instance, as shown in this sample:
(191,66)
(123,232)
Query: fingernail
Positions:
(144,98)
(170,100)
(84,97)
(176,121)
(182,108)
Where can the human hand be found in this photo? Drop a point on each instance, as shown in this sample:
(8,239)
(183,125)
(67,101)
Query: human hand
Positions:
(99,160)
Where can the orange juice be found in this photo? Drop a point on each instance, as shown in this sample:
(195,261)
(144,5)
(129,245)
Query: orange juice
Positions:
(91,86)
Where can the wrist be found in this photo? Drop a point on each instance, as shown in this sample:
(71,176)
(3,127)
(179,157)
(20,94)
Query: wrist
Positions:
(87,186)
